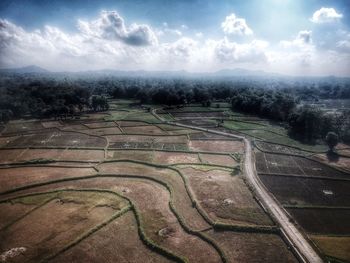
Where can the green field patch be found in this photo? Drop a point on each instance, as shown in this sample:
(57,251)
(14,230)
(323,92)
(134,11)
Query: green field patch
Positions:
(132,114)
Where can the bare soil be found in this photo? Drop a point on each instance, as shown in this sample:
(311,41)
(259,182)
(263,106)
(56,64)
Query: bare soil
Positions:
(253,248)
(218,159)
(13,212)
(21,176)
(150,129)
(182,201)
(57,139)
(152,200)
(224,197)
(103,124)
(338,247)
(217,146)
(51,227)
(116,242)
(147,138)
(144,156)
(104,131)
(174,157)
(22,126)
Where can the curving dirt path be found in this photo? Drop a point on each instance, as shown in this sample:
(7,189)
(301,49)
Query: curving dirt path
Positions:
(300,244)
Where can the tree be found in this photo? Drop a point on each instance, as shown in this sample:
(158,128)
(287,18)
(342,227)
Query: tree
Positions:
(332,140)
(99,103)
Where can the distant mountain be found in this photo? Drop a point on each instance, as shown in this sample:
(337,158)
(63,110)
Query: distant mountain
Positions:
(23,70)
(242,72)
(237,73)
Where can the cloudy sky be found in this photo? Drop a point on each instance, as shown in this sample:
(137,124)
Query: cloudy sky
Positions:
(295,37)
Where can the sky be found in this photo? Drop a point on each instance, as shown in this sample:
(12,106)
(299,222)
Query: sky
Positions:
(293,37)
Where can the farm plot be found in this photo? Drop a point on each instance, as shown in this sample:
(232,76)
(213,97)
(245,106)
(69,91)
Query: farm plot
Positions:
(253,247)
(330,221)
(339,162)
(270,147)
(4,141)
(144,156)
(57,221)
(159,224)
(148,142)
(294,165)
(308,192)
(181,139)
(149,129)
(74,127)
(181,199)
(132,115)
(22,127)
(14,211)
(189,115)
(35,155)
(104,131)
(51,124)
(117,242)
(101,124)
(217,159)
(207,136)
(135,123)
(217,146)
(334,246)
(57,139)
(224,197)
(175,157)
(199,123)
(13,177)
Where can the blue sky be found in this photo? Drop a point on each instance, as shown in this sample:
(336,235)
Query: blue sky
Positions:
(287,36)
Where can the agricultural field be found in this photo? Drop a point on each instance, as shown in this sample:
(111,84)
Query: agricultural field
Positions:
(226,120)
(315,195)
(124,187)
(312,188)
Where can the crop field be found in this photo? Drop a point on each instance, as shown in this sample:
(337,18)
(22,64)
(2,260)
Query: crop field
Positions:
(295,165)
(235,122)
(118,187)
(314,194)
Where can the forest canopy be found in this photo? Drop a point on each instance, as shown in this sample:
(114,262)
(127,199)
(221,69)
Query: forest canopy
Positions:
(288,101)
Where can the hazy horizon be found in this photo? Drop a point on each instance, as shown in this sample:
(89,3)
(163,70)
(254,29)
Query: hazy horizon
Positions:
(294,38)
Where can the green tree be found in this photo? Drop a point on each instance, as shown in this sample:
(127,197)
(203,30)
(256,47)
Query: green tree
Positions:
(332,140)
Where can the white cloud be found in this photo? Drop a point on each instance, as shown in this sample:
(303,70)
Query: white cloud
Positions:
(184,27)
(326,15)
(108,42)
(182,48)
(302,40)
(110,25)
(235,25)
(199,34)
(252,52)
(165,30)
(343,45)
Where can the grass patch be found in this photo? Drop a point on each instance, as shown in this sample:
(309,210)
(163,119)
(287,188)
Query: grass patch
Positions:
(132,115)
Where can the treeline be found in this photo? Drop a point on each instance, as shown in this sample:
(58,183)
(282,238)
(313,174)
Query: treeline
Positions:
(268,98)
(306,123)
(309,124)
(43,99)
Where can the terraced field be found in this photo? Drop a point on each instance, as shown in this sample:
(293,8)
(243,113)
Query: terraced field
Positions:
(123,187)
